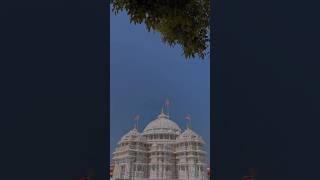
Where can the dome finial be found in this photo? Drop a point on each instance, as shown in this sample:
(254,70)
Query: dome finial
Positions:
(162,114)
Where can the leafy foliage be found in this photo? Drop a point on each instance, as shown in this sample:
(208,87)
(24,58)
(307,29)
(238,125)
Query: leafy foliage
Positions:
(180,22)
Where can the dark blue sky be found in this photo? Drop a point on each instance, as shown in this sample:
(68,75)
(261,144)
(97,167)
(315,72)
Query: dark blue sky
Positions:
(144,72)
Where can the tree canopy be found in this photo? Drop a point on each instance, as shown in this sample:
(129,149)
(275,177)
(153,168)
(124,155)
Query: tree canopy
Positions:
(180,22)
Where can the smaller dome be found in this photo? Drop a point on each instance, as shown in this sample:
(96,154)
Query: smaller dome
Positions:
(189,135)
(132,135)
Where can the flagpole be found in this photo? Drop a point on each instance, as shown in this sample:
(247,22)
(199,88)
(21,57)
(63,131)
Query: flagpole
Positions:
(190,122)
(188,118)
(137,124)
(136,118)
(167,105)
(168,108)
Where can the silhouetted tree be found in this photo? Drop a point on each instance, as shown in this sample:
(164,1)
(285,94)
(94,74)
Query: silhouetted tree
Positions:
(182,22)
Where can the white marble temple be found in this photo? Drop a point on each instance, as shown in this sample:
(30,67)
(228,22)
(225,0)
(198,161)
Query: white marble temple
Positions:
(161,152)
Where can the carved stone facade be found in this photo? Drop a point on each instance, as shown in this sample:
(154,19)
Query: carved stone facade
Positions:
(161,151)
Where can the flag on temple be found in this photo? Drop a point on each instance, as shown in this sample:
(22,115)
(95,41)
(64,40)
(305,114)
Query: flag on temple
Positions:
(137,117)
(188,117)
(167,103)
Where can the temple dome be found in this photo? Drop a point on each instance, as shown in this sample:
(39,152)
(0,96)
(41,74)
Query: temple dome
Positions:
(162,125)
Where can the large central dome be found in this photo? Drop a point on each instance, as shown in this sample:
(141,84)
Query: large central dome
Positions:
(162,125)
